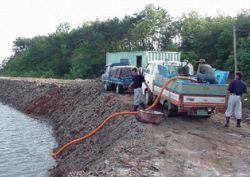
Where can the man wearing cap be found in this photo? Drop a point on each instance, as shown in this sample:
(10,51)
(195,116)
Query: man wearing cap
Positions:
(205,72)
(236,89)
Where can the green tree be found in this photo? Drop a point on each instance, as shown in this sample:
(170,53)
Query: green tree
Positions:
(21,44)
(244,55)
(63,27)
(80,52)
(152,30)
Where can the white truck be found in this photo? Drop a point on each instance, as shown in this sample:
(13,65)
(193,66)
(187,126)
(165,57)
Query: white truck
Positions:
(195,99)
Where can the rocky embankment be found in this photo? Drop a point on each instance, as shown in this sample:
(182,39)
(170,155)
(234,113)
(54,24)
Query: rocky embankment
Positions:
(180,146)
(74,108)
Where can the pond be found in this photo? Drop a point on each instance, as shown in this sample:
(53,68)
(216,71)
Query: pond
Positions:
(25,145)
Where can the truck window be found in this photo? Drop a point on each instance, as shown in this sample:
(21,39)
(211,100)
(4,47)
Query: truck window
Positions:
(112,72)
(173,69)
(126,72)
(117,73)
(164,71)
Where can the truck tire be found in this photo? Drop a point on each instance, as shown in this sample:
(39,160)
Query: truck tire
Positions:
(170,110)
(148,97)
(118,89)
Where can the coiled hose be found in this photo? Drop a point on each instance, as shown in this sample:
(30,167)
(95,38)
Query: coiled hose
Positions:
(75,141)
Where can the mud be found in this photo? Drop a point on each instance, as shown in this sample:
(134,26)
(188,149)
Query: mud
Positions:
(180,146)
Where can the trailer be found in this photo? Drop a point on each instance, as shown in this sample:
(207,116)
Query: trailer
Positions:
(141,58)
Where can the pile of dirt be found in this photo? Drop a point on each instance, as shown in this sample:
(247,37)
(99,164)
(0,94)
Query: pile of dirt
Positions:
(179,146)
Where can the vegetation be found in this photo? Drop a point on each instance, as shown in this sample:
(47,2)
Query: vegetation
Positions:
(80,53)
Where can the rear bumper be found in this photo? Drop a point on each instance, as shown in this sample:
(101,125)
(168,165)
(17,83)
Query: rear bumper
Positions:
(209,107)
(217,104)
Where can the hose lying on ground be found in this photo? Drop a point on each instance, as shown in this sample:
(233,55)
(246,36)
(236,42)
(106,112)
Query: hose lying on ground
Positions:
(55,154)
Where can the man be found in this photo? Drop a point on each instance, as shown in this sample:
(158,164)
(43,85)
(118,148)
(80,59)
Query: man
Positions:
(205,72)
(137,81)
(236,88)
(186,68)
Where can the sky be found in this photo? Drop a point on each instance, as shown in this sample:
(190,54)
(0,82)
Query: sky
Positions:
(29,18)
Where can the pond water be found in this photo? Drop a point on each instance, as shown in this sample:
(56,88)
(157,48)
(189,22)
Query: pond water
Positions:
(25,144)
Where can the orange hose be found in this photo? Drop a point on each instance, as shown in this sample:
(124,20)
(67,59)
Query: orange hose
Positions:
(165,86)
(55,154)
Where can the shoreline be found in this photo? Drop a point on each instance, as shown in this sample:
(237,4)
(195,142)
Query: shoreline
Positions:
(73,108)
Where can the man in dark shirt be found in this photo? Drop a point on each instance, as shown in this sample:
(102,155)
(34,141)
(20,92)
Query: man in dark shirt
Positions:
(137,81)
(236,89)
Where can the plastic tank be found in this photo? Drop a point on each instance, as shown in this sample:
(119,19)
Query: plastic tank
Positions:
(221,76)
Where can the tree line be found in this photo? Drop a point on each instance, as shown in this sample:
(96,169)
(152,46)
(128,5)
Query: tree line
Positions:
(80,52)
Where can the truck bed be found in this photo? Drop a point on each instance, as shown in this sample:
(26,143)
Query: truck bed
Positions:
(184,87)
(187,95)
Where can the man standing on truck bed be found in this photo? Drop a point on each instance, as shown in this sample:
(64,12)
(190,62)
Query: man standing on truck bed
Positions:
(205,72)
(137,81)
(236,88)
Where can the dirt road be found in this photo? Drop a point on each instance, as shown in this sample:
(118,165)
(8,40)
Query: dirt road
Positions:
(195,147)
(188,146)
(179,146)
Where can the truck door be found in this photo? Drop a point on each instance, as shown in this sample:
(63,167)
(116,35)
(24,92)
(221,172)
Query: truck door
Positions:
(149,76)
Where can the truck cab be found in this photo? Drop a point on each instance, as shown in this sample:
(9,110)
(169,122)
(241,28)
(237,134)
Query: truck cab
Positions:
(160,71)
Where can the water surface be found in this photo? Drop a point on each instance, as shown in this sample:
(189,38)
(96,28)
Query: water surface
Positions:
(25,144)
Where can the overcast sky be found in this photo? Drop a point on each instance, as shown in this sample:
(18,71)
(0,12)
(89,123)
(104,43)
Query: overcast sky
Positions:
(28,18)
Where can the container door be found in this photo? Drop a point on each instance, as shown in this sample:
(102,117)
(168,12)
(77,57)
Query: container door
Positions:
(139,61)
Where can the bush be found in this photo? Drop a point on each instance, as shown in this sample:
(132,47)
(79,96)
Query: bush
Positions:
(246,97)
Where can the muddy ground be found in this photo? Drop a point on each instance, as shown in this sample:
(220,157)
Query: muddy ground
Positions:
(180,146)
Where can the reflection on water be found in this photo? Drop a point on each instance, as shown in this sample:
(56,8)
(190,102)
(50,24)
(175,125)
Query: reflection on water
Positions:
(25,145)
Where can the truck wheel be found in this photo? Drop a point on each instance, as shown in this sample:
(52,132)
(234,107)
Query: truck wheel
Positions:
(118,89)
(169,109)
(148,97)
(106,87)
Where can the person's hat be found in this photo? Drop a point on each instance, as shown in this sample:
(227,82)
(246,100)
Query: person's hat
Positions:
(202,61)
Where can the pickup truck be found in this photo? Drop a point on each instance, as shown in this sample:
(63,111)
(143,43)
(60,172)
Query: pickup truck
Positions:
(195,99)
(117,77)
